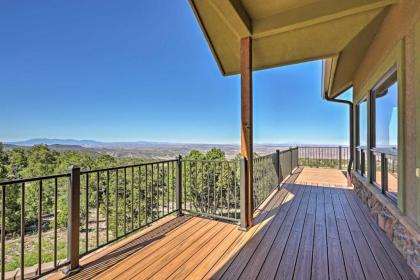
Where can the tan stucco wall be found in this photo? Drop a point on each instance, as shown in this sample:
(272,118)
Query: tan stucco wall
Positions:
(395,43)
(417,73)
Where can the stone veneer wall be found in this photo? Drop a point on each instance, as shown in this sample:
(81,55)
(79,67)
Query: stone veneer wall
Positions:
(403,234)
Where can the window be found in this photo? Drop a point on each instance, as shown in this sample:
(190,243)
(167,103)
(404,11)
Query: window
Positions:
(361,161)
(363,115)
(384,135)
(386,118)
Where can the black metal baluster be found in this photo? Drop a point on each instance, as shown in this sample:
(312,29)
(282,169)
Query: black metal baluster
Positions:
(191,197)
(184,178)
(146,191)
(116,203)
(138,214)
(196,185)
(208,187)
(39,228)
(163,189)
(125,201)
(97,208)
(168,186)
(158,189)
(153,195)
(214,188)
(202,186)
(236,192)
(107,206)
(22,234)
(87,214)
(132,198)
(55,219)
(3,230)
(221,190)
(229,187)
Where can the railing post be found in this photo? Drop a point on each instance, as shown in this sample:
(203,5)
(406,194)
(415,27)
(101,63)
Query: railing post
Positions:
(362,162)
(243,196)
(278,168)
(178,191)
(339,157)
(73,219)
(384,173)
(291,160)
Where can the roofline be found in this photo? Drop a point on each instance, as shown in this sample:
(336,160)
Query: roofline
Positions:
(206,35)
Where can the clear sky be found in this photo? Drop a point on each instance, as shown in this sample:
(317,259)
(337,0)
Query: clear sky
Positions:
(142,70)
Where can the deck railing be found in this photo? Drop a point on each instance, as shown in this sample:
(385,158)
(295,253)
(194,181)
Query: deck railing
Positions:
(102,206)
(41,194)
(324,157)
(211,188)
(81,211)
(385,171)
(361,160)
(118,201)
(270,170)
(265,177)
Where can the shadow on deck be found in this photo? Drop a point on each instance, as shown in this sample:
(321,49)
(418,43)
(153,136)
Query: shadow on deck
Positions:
(305,231)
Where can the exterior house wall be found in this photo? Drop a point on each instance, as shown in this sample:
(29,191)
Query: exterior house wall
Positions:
(397,43)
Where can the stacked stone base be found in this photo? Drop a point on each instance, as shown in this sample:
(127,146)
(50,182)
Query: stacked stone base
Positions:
(403,234)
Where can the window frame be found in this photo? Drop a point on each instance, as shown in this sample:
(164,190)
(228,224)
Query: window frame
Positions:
(380,88)
(361,151)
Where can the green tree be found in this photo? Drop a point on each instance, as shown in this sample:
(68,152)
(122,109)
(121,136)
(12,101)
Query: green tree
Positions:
(12,195)
(3,163)
(18,162)
(215,154)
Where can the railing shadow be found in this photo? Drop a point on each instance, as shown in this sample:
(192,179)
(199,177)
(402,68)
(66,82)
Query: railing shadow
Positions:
(260,220)
(118,255)
(268,214)
(287,185)
(245,255)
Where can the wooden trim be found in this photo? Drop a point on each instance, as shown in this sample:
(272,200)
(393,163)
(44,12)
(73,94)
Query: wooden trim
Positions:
(247,123)
(208,39)
(417,75)
(395,57)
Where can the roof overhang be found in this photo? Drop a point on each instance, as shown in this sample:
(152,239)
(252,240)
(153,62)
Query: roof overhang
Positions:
(292,31)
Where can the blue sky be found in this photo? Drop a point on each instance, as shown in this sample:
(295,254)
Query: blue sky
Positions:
(142,70)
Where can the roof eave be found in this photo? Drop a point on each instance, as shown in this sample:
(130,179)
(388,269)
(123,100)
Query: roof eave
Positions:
(206,35)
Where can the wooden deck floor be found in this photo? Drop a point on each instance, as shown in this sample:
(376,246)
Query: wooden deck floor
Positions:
(322,177)
(303,232)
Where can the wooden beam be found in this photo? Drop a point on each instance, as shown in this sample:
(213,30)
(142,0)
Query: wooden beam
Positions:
(246,124)
(235,16)
(316,13)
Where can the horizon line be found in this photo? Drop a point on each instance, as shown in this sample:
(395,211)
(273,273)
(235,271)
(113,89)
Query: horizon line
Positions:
(14,142)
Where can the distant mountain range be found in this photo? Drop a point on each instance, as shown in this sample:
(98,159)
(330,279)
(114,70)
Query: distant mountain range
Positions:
(144,149)
(86,143)
(140,149)
(47,141)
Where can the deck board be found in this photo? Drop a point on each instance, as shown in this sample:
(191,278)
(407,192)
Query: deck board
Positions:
(351,258)
(303,266)
(302,232)
(276,251)
(260,253)
(336,267)
(320,252)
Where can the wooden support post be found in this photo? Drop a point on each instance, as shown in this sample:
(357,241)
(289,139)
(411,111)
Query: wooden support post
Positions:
(73,220)
(246,127)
